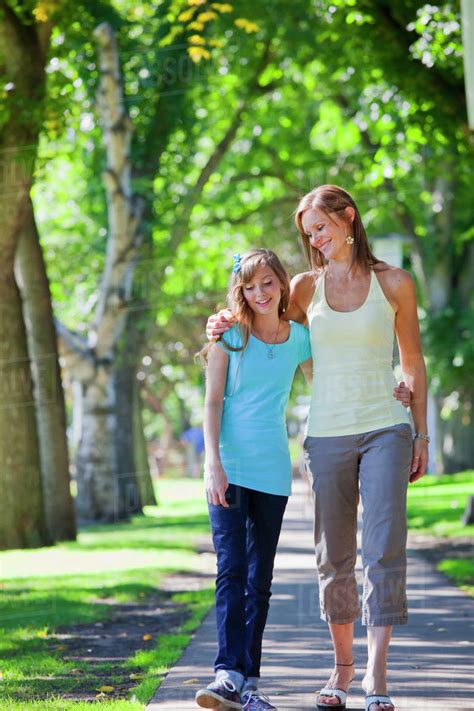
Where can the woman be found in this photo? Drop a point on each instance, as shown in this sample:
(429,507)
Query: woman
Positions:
(357,437)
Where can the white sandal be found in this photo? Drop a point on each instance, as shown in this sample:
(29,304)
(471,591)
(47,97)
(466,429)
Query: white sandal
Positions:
(339,693)
(378,700)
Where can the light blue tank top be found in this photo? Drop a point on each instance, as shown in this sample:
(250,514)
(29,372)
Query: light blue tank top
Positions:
(253,440)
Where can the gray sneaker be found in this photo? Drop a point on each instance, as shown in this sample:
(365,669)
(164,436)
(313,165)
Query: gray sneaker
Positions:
(256,701)
(220,694)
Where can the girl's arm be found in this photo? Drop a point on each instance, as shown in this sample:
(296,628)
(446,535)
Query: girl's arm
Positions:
(214,475)
(413,365)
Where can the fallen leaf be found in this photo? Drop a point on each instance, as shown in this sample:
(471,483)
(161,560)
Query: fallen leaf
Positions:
(106,689)
(191,681)
(135,676)
(147,637)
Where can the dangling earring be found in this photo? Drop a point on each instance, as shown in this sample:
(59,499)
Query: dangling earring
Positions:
(349,239)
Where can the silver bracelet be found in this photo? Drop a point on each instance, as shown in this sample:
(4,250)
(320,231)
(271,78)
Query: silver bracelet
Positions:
(420,435)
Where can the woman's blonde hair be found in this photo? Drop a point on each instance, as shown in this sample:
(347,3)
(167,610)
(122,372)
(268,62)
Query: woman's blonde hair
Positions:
(243,314)
(333,199)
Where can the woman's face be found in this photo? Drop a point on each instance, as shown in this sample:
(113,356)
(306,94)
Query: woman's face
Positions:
(328,234)
(263,292)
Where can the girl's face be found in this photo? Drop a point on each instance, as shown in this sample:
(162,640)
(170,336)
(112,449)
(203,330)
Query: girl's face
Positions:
(328,234)
(263,292)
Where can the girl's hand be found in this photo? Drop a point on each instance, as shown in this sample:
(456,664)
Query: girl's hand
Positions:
(402,393)
(419,461)
(219,323)
(216,484)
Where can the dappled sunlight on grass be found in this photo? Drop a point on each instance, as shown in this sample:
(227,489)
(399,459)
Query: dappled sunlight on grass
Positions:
(44,602)
(56,703)
(77,583)
(51,562)
(436,504)
(460,571)
(164,538)
(435,508)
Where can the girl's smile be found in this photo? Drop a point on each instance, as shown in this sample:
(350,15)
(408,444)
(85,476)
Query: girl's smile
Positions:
(263,292)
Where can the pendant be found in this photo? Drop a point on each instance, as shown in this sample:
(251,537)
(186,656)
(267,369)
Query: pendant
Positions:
(270,354)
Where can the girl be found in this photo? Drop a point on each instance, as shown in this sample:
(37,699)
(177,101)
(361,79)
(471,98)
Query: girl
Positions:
(357,437)
(247,466)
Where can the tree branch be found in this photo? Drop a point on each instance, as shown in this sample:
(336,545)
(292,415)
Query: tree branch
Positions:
(402,211)
(184,216)
(447,92)
(280,173)
(260,208)
(79,359)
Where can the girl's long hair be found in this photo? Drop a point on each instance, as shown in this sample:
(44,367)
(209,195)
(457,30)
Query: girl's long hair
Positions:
(333,199)
(243,314)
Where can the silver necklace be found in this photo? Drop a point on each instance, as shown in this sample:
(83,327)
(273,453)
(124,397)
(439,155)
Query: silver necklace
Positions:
(271,346)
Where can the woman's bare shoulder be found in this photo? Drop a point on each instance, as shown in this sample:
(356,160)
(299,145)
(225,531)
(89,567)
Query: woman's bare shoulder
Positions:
(393,275)
(395,281)
(301,294)
(305,282)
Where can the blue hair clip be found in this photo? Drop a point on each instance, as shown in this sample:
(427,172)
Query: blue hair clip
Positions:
(237,259)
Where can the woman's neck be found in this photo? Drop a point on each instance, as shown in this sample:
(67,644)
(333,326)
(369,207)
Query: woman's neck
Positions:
(341,269)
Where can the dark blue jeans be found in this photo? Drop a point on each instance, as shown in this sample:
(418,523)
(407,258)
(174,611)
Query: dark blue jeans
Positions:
(245,537)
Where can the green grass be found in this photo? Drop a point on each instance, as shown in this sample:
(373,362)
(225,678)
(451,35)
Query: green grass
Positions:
(164,538)
(461,571)
(436,504)
(435,507)
(75,583)
(169,648)
(55,703)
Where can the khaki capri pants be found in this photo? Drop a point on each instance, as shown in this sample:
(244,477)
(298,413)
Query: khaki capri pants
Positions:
(377,464)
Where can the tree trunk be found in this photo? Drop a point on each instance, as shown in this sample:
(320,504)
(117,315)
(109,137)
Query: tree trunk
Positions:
(124,387)
(99,490)
(102,477)
(49,396)
(22,61)
(456,437)
(468,515)
(129,439)
(22,523)
(142,467)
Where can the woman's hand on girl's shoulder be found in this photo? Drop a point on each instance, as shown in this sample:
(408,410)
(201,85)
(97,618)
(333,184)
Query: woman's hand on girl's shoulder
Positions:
(219,323)
(216,483)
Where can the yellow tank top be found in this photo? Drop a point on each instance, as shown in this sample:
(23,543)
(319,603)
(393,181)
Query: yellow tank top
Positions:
(353,377)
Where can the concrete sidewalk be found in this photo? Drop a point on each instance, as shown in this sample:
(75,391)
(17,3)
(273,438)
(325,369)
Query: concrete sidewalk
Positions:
(431,659)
